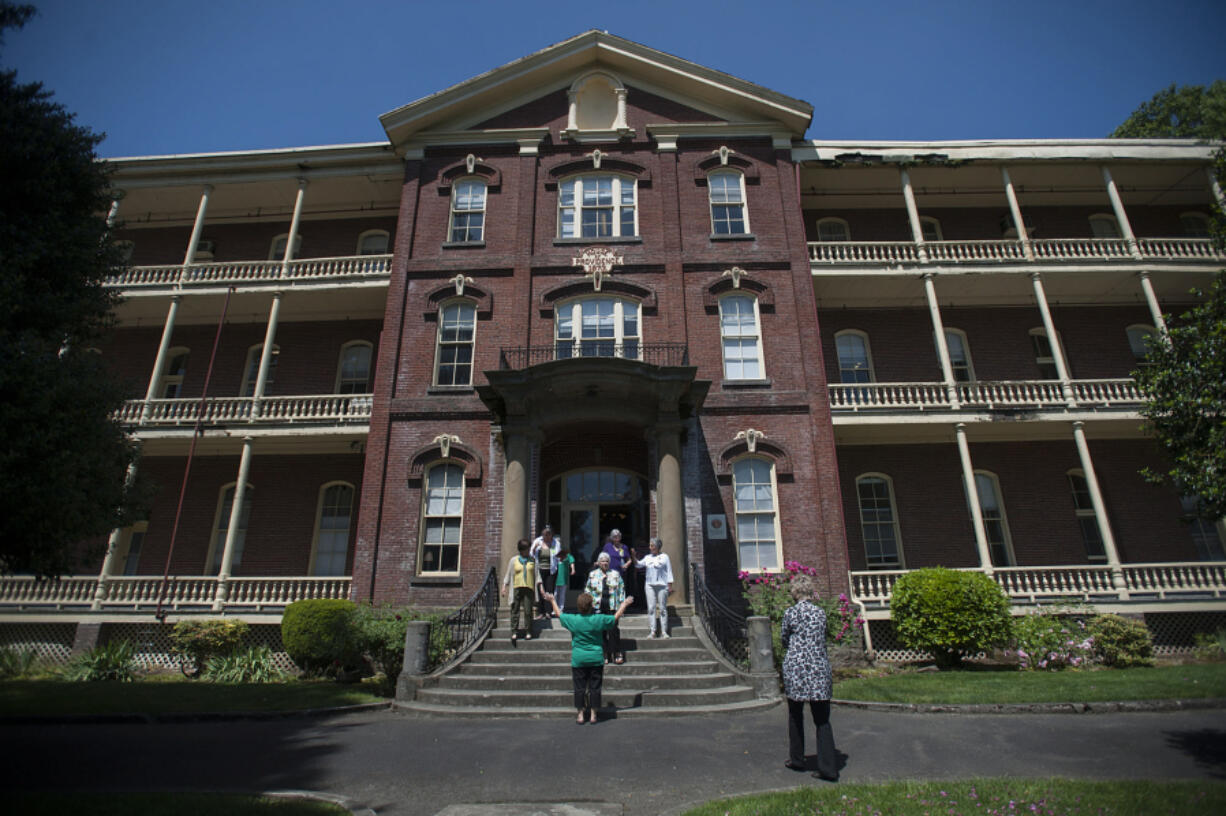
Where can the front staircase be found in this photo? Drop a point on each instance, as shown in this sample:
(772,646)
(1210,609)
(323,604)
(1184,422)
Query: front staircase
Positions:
(662,676)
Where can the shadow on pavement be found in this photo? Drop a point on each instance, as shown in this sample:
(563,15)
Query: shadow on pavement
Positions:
(1207,747)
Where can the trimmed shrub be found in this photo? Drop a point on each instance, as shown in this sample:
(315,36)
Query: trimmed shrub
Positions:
(111,661)
(320,636)
(950,613)
(1210,646)
(1051,641)
(1121,642)
(381,631)
(251,665)
(197,642)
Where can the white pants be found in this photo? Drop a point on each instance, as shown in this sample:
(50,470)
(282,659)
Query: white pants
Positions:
(559,591)
(657,601)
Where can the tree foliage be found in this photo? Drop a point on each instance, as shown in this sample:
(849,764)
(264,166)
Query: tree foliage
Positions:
(1187,112)
(63,460)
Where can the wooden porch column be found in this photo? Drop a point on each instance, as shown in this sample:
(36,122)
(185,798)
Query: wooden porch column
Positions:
(1151,299)
(1053,339)
(1117,206)
(972,495)
(274,312)
(938,329)
(670,500)
(1015,212)
(236,513)
(1100,509)
(917,230)
(112,547)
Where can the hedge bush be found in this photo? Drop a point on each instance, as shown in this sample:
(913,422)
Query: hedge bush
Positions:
(320,636)
(111,661)
(380,632)
(200,641)
(1121,642)
(950,613)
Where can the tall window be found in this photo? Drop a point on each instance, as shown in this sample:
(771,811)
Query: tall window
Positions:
(134,539)
(1104,226)
(332,530)
(995,525)
(373,242)
(879,522)
(597,327)
(727,191)
(855,364)
(1195,225)
(457,328)
(930,228)
(467,211)
(1087,519)
(442,513)
(738,326)
(959,355)
(833,229)
(1207,536)
(753,484)
(1044,357)
(1141,339)
(597,207)
(252,369)
(276,251)
(353,369)
(222,523)
(173,373)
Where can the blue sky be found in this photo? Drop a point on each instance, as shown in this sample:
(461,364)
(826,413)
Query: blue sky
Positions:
(170,76)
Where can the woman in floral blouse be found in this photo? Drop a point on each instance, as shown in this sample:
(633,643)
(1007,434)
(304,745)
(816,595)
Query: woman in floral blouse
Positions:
(607,589)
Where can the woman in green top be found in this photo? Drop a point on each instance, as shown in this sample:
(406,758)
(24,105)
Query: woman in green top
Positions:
(587,651)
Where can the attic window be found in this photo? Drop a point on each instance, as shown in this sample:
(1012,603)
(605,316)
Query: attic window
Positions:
(597,109)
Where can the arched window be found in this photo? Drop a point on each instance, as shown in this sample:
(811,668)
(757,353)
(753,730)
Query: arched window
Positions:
(457,331)
(353,369)
(597,206)
(833,229)
(1103,225)
(171,386)
(276,250)
(879,522)
(930,228)
(1087,519)
(855,362)
(959,355)
(1195,225)
(1207,536)
(442,519)
(252,369)
(757,522)
(467,211)
(742,337)
(995,525)
(597,327)
(373,242)
(332,523)
(1044,356)
(221,524)
(726,189)
(1141,340)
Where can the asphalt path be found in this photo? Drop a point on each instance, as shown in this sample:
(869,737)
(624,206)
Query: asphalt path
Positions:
(409,765)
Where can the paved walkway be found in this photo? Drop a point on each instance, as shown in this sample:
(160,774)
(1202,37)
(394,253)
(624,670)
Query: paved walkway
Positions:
(406,765)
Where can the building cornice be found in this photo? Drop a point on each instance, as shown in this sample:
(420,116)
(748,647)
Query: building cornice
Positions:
(1009,150)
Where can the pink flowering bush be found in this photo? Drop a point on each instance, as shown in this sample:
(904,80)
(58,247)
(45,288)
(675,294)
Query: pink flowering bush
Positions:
(769,595)
(1052,641)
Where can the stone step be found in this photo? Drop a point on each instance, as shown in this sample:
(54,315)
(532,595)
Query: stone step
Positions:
(616,698)
(556,642)
(535,650)
(561,668)
(541,712)
(554,629)
(619,681)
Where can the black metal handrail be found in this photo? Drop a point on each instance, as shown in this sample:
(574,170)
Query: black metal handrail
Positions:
(466,625)
(727,629)
(660,354)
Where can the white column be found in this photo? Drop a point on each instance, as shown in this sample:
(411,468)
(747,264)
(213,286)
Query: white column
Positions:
(938,329)
(159,361)
(1015,212)
(1117,205)
(113,212)
(293,227)
(572,121)
(1100,510)
(189,257)
(917,230)
(620,123)
(236,513)
(1151,299)
(112,549)
(1215,188)
(274,312)
(972,496)
(1053,339)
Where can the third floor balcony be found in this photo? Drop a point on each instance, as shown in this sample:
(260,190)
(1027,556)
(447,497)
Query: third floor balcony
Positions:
(254,274)
(890,399)
(824,254)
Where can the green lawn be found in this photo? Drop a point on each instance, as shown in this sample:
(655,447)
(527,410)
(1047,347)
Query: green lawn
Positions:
(155,804)
(1157,683)
(989,797)
(57,697)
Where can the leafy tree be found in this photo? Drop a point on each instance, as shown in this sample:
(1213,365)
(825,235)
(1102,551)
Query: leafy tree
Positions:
(62,461)
(1189,112)
(950,613)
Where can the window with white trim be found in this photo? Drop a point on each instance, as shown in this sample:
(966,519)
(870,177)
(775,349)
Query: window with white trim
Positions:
(855,361)
(726,190)
(1044,356)
(757,522)
(1141,340)
(467,211)
(930,228)
(1104,226)
(597,327)
(741,336)
(1209,537)
(1195,225)
(353,368)
(597,206)
(457,331)
(442,518)
(175,369)
(373,242)
(1087,519)
(332,523)
(879,521)
(959,355)
(276,250)
(995,524)
(221,524)
(252,369)
(833,229)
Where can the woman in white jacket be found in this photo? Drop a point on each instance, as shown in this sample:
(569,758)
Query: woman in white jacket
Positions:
(659,581)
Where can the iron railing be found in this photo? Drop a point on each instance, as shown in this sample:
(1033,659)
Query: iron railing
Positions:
(466,625)
(659,354)
(727,629)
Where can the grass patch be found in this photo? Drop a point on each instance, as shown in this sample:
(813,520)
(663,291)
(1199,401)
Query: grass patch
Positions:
(179,804)
(988,797)
(1155,683)
(169,695)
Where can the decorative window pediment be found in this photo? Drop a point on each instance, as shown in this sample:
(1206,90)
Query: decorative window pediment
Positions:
(456,451)
(731,280)
(462,288)
(469,166)
(582,288)
(763,446)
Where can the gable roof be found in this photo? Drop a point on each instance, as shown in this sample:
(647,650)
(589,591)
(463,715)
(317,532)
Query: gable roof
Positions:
(475,100)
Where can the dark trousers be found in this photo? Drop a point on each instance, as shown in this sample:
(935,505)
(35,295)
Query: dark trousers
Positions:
(820,709)
(612,642)
(588,680)
(549,580)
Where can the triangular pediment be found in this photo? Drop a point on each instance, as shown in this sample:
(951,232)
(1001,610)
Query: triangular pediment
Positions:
(530,94)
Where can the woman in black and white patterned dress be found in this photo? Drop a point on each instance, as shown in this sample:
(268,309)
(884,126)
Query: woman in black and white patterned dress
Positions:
(806,679)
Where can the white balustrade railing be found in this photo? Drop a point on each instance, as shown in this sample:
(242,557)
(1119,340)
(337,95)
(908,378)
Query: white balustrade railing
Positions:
(328,408)
(974,251)
(1011,394)
(1193,249)
(1107,392)
(26,590)
(1080,249)
(928,396)
(247,272)
(888,396)
(861,252)
(1043,250)
(183,593)
(1175,579)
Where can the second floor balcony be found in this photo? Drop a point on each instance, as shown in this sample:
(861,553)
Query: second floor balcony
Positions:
(323,410)
(1038,251)
(304,271)
(921,397)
